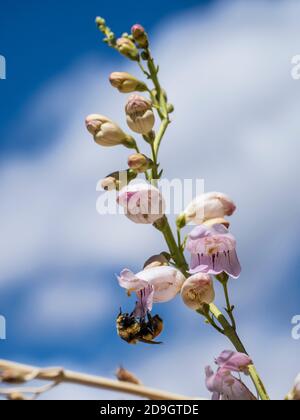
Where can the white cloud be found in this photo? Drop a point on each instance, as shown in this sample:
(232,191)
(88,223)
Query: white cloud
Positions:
(236,124)
(66,305)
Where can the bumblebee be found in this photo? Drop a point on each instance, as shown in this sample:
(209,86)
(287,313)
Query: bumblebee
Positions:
(133,330)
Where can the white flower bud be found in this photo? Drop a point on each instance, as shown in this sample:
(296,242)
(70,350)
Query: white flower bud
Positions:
(165,280)
(126,83)
(140,117)
(107,133)
(198,290)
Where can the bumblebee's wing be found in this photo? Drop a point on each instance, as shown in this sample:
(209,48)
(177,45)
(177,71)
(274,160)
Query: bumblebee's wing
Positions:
(149,341)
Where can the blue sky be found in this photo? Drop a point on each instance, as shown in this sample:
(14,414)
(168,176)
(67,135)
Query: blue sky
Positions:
(227,68)
(41,40)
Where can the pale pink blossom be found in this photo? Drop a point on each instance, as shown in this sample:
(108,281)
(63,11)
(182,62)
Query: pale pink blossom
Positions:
(143,203)
(224,386)
(144,302)
(213,251)
(233,361)
(213,205)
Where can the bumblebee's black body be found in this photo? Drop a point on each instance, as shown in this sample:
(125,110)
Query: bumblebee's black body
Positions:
(128,328)
(133,330)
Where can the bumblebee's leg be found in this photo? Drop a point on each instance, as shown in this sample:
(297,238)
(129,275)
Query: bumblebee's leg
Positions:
(150,325)
(149,316)
(143,340)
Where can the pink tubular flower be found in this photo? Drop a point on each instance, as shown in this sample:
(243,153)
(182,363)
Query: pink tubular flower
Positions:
(144,302)
(143,203)
(153,285)
(224,386)
(213,251)
(233,361)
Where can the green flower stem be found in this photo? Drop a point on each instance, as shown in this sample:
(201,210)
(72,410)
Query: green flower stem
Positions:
(232,335)
(161,132)
(155,165)
(230,308)
(177,255)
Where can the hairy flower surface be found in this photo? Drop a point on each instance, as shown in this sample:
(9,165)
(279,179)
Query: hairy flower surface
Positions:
(213,251)
(143,203)
(197,291)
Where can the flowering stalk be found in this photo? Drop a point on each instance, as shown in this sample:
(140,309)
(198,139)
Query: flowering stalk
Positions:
(178,255)
(213,315)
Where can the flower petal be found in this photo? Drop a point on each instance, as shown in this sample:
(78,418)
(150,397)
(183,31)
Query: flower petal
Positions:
(209,206)
(142,202)
(213,251)
(233,389)
(145,302)
(233,361)
(167,282)
(225,386)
